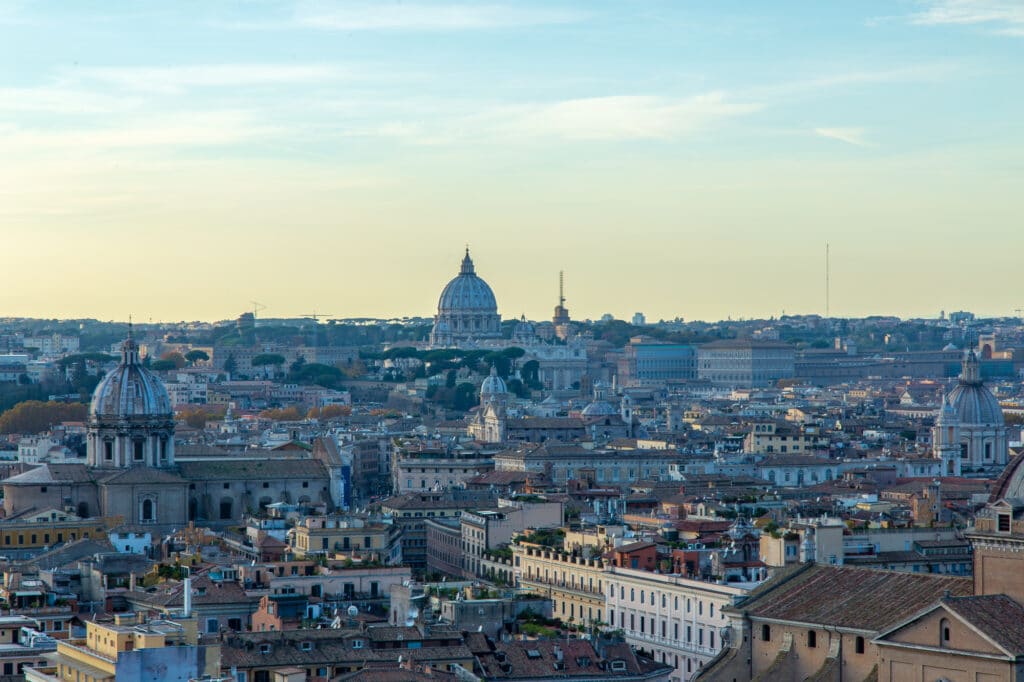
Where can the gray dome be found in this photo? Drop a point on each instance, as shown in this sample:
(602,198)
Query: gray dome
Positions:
(130,390)
(524,329)
(598,408)
(467,293)
(493,385)
(973,402)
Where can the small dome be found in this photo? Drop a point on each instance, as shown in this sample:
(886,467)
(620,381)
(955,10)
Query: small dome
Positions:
(949,346)
(493,385)
(598,408)
(130,390)
(973,402)
(524,329)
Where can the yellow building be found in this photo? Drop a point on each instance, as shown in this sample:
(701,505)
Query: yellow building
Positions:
(346,535)
(574,585)
(124,646)
(45,529)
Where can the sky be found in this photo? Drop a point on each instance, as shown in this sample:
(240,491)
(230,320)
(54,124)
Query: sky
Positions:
(178,160)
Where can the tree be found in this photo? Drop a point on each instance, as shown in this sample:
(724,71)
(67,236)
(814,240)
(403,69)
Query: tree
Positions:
(288,414)
(268,359)
(163,365)
(531,375)
(465,396)
(35,416)
(197,416)
(230,364)
(194,356)
(329,412)
(175,357)
(276,360)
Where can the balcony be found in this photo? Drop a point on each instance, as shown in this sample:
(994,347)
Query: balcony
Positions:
(641,638)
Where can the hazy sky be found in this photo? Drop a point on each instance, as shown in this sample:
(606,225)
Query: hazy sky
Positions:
(175,160)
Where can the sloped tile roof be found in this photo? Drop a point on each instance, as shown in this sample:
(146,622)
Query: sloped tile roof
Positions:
(850,597)
(997,615)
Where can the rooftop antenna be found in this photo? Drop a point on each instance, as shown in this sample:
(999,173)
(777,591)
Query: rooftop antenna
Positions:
(561,288)
(827,282)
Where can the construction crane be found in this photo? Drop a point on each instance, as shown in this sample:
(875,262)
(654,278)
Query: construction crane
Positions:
(256,308)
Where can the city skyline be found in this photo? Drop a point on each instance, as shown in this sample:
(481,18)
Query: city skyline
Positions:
(179,162)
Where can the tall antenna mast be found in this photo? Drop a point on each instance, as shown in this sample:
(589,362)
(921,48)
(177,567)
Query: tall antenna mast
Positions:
(827,282)
(561,287)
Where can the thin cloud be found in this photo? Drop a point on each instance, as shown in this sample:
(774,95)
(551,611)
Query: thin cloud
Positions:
(204,129)
(399,16)
(62,100)
(623,117)
(1001,16)
(854,136)
(176,79)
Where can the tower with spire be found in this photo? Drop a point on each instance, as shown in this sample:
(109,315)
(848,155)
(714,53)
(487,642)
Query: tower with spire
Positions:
(561,319)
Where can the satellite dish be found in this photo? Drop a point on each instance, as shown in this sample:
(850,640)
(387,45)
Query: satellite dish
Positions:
(353,611)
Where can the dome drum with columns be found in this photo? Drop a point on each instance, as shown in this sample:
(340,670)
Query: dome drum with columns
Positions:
(466,310)
(970,424)
(131,421)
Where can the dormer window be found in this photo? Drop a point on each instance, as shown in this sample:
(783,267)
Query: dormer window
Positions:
(619,665)
(264,649)
(306,646)
(1003,521)
(357,644)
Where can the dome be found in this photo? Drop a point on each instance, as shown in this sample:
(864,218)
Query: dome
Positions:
(467,293)
(973,402)
(598,408)
(130,390)
(493,385)
(524,330)
(467,310)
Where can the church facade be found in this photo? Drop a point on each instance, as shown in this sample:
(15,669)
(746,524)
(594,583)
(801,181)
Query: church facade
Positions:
(131,471)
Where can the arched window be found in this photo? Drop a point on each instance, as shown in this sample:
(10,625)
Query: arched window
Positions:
(943,632)
(148,510)
(766,633)
(859,645)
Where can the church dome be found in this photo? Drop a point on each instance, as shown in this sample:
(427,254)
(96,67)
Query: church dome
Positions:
(493,386)
(974,403)
(130,390)
(466,311)
(524,330)
(467,292)
(598,408)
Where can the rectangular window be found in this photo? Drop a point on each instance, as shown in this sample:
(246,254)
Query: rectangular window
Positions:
(1004,523)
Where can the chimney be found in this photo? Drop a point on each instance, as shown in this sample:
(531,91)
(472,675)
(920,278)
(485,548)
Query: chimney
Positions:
(188,598)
